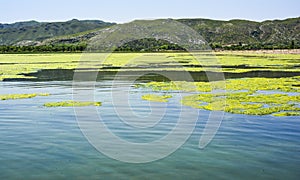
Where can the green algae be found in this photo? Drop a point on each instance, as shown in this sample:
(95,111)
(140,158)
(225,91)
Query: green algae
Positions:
(243,103)
(287,114)
(291,84)
(14,65)
(71,104)
(156,98)
(21,96)
(177,85)
(250,96)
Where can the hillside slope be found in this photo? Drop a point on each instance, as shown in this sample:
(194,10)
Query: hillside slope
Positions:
(249,34)
(32,32)
(223,33)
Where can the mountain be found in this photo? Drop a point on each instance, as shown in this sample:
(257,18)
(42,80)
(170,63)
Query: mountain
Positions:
(247,32)
(19,24)
(24,33)
(219,34)
(273,33)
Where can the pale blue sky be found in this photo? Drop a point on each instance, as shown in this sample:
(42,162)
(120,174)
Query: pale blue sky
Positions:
(128,10)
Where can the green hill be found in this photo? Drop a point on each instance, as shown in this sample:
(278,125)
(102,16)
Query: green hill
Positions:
(32,32)
(247,32)
(232,34)
(224,34)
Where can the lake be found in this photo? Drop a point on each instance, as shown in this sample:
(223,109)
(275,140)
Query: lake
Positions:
(38,142)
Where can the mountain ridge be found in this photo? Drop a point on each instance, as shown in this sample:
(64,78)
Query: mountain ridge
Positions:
(14,33)
(276,33)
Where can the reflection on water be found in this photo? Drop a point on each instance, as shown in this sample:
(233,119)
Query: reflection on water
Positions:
(46,143)
(67,75)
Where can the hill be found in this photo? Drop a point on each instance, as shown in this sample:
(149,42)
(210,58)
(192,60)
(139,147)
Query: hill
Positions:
(33,32)
(232,34)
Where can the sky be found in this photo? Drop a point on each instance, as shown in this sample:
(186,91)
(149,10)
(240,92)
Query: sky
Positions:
(122,11)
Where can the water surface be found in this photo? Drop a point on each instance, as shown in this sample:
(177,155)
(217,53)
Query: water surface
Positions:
(46,143)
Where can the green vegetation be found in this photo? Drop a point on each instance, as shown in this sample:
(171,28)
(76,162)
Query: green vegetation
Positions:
(21,96)
(6,49)
(244,103)
(72,36)
(287,114)
(149,45)
(177,86)
(71,104)
(15,65)
(256,61)
(244,35)
(251,96)
(33,33)
(245,84)
(156,98)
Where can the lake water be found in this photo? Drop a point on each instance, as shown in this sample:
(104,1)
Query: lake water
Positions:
(46,143)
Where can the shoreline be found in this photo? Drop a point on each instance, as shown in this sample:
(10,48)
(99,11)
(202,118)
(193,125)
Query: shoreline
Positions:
(260,51)
(275,51)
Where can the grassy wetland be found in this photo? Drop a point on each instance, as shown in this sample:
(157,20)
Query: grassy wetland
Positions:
(17,65)
(251,95)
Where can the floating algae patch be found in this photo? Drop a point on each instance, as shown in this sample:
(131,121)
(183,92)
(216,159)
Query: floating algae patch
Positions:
(21,96)
(2,77)
(291,84)
(243,96)
(274,61)
(72,103)
(287,114)
(177,86)
(13,66)
(156,98)
(243,103)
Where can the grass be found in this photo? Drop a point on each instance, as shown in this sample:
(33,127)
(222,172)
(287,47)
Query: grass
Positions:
(71,104)
(21,96)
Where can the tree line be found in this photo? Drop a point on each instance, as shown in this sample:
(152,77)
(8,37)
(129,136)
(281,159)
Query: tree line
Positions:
(43,48)
(142,45)
(255,46)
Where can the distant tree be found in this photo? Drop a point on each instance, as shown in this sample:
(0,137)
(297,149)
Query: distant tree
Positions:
(292,46)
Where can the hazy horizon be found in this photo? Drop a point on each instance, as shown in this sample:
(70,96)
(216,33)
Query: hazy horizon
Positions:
(126,11)
(147,19)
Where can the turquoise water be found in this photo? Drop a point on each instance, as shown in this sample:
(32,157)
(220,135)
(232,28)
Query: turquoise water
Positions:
(46,143)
